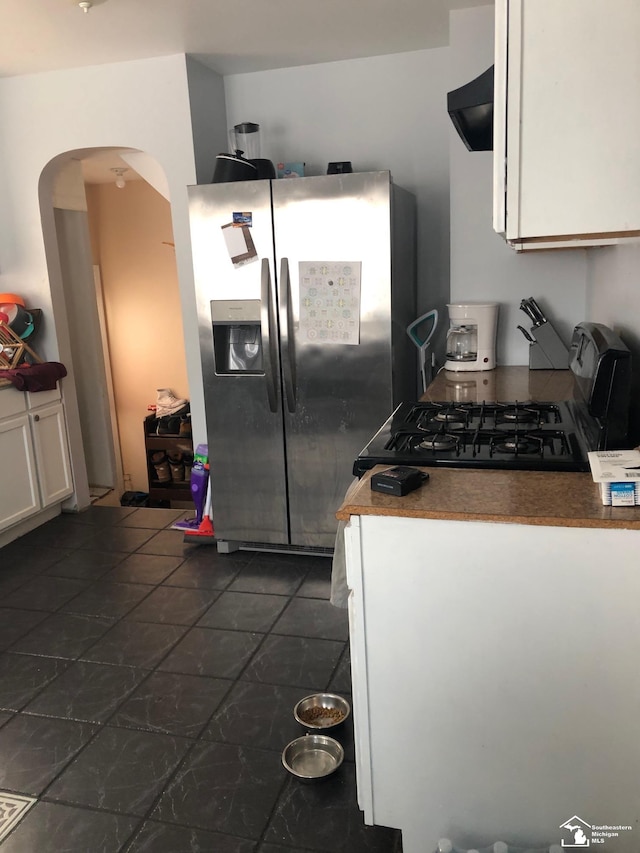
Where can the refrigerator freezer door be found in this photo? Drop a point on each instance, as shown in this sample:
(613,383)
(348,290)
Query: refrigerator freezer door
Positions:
(335,393)
(232,237)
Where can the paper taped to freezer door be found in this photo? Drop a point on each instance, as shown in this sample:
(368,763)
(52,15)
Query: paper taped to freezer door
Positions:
(239,244)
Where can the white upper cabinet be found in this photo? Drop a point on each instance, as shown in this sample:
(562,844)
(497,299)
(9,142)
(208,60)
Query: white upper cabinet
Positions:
(567,121)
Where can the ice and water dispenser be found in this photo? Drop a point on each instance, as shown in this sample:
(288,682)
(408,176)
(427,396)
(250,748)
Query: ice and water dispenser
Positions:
(237,337)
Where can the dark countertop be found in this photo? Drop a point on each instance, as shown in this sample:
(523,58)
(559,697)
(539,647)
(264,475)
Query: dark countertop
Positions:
(557,499)
(513,497)
(504,384)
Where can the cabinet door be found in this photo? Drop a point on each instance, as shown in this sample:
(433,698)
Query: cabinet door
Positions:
(43,398)
(12,403)
(19,493)
(569,80)
(52,453)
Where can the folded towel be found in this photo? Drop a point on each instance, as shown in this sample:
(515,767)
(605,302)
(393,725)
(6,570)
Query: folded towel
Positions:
(35,377)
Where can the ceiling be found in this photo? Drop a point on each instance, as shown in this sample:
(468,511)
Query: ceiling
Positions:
(97,168)
(230,37)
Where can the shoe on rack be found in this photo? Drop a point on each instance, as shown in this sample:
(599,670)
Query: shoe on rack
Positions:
(187,461)
(168,404)
(168,425)
(185,426)
(161,465)
(176,466)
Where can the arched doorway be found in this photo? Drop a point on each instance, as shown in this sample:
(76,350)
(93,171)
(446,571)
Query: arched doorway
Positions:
(115,261)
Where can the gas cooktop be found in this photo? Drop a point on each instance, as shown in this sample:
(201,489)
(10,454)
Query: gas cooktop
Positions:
(519,435)
(554,436)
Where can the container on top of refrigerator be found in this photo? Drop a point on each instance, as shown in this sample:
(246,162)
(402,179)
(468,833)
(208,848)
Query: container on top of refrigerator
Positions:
(243,161)
(290,170)
(244,139)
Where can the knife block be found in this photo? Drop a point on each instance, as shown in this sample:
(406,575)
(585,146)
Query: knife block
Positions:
(547,352)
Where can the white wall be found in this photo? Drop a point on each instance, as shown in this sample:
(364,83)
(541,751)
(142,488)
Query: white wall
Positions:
(77,275)
(89,371)
(482,265)
(142,105)
(384,112)
(206,98)
(614,289)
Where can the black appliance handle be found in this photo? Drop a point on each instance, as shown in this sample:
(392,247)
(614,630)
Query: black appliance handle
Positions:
(267,323)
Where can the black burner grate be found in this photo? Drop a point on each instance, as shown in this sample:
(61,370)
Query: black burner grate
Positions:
(518,435)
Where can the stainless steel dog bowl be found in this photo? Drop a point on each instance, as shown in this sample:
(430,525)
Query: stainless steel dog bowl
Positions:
(312,756)
(321,711)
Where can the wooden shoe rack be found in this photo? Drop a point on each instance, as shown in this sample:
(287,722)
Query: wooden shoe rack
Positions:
(161,493)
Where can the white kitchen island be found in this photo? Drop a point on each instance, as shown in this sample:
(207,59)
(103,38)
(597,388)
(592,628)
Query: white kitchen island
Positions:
(495,642)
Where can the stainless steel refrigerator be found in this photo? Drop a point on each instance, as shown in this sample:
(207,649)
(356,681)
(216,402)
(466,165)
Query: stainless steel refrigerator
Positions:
(304,287)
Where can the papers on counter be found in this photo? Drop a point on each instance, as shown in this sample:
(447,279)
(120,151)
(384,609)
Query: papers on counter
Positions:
(618,473)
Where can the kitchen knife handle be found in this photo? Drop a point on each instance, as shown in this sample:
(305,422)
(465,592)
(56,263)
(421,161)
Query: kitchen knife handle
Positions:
(526,334)
(267,323)
(286,336)
(525,305)
(537,310)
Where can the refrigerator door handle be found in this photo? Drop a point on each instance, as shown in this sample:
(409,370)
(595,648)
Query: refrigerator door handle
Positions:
(286,336)
(267,322)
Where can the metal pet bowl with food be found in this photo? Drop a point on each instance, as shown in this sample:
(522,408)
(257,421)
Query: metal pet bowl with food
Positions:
(321,711)
(312,756)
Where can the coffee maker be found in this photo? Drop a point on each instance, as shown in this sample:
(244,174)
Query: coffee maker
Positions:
(471,339)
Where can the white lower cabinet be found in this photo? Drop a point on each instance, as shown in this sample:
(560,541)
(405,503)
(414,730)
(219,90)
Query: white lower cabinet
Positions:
(34,455)
(52,453)
(495,680)
(19,496)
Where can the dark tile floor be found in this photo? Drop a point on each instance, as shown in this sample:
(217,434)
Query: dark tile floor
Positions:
(147,687)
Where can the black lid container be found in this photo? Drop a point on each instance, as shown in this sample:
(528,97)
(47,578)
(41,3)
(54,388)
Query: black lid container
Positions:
(230,168)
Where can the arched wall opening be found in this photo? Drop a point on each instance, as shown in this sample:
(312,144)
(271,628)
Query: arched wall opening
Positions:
(116,302)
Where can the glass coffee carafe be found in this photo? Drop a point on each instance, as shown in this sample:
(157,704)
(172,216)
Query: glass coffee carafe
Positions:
(462,342)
